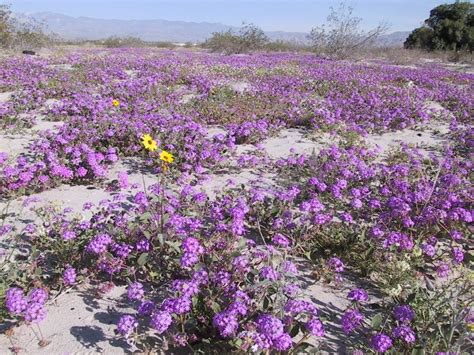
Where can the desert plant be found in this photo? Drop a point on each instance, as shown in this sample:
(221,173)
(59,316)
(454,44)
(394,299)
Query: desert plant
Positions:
(249,38)
(24,34)
(341,35)
(449,27)
(117,42)
(5,26)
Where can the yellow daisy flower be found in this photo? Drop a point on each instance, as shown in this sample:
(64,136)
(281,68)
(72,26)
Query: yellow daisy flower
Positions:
(166,156)
(115,103)
(149,143)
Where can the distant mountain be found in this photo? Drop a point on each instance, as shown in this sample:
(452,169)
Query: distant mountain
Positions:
(394,39)
(87,28)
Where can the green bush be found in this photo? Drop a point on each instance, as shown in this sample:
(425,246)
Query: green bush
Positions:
(449,27)
(118,42)
(249,38)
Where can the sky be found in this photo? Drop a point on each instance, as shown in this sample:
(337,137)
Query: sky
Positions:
(284,15)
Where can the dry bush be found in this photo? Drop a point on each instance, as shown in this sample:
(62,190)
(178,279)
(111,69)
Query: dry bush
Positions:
(341,37)
(28,34)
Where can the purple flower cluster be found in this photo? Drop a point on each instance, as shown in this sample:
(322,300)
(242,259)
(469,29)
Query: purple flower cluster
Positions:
(351,320)
(126,325)
(99,244)
(381,342)
(336,264)
(30,307)
(161,321)
(135,291)
(403,313)
(272,329)
(358,295)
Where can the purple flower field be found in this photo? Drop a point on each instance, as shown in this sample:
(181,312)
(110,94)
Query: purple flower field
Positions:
(160,201)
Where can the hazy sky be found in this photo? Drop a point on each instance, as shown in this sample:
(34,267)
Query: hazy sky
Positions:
(286,15)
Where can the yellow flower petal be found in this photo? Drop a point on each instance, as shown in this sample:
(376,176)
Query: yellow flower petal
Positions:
(166,156)
(149,143)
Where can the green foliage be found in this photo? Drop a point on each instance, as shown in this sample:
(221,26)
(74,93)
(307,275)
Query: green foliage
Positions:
(249,38)
(449,27)
(118,42)
(285,46)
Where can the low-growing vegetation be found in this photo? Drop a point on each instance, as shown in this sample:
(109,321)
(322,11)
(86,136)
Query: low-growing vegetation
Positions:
(234,270)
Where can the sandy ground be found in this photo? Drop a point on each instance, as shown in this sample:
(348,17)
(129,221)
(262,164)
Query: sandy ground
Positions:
(80,321)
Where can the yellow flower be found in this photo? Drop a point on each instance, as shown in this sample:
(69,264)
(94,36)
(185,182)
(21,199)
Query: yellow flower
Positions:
(115,103)
(166,157)
(470,326)
(149,143)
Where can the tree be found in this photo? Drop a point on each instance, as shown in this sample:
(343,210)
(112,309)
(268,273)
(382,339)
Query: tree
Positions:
(252,37)
(420,38)
(449,27)
(341,35)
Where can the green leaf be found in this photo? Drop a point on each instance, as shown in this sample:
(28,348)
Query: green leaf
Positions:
(242,243)
(147,234)
(145,217)
(161,238)
(418,351)
(295,330)
(377,321)
(174,245)
(142,259)
(266,302)
(216,307)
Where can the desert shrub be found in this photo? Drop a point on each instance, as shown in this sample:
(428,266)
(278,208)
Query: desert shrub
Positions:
(28,34)
(249,38)
(341,36)
(285,46)
(226,42)
(117,42)
(163,44)
(32,37)
(5,26)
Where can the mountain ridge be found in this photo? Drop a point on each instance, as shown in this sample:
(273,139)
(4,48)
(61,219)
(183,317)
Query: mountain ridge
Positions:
(90,28)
